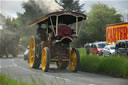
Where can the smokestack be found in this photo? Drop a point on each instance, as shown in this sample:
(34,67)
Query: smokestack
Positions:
(48,6)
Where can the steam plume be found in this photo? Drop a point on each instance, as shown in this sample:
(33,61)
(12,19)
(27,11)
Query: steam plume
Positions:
(48,6)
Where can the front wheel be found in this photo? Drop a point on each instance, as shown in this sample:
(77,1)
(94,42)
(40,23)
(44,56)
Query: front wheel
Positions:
(34,61)
(45,59)
(74,60)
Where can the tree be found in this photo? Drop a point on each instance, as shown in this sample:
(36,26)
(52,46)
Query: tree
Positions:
(32,12)
(71,5)
(2,19)
(100,16)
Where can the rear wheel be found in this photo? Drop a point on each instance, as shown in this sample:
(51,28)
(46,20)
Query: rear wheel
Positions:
(62,65)
(74,60)
(34,61)
(45,59)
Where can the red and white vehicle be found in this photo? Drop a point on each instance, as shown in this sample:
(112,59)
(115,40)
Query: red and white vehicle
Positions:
(97,47)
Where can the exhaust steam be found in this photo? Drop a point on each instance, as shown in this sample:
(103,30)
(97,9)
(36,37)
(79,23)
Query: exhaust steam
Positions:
(48,6)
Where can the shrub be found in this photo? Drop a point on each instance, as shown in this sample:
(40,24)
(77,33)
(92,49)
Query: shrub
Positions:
(90,63)
(114,66)
(111,65)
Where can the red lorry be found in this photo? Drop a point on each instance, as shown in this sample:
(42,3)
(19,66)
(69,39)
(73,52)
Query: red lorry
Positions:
(116,32)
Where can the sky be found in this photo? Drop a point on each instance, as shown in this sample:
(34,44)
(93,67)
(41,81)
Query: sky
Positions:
(11,7)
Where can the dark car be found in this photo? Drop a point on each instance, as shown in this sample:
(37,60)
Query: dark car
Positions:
(122,47)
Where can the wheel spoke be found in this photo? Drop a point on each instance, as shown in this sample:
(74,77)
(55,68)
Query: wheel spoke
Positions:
(44,60)
(73,60)
(32,52)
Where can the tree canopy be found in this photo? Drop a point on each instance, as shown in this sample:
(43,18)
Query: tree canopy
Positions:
(99,16)
(71,5)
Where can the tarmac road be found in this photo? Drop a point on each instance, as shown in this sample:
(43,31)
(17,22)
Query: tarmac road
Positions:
(17,68)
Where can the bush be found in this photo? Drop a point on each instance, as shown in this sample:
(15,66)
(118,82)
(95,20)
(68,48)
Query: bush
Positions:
(114,66)
(90,63)
(111,65)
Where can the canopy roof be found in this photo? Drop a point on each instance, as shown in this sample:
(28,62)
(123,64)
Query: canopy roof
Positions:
(64,17)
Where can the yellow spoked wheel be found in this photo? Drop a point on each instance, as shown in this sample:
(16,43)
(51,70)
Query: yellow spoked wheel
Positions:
(74,60)
(31,52)
(45,59)
(34,62)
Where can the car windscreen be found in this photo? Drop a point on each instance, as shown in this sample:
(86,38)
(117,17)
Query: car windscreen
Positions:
(112,47)
(101,45)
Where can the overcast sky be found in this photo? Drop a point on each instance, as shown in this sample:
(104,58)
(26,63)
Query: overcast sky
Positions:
(11,7)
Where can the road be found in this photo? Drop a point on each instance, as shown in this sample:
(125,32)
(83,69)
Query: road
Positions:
(17,68)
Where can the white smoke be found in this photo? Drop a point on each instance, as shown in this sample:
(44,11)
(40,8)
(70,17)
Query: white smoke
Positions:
(1,27)
(48,6)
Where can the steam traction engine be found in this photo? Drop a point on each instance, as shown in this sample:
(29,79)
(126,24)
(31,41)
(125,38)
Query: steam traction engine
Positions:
(52,42)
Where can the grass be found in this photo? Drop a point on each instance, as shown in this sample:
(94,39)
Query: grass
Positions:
(6,80)
(111,65)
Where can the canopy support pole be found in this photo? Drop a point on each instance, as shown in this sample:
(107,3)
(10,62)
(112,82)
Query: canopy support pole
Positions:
(56,25)
(52,26)
(81,26)
(47,27)
(76,26)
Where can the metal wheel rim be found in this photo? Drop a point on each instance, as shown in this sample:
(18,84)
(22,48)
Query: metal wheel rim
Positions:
(44,59)
(73,60)
(32,52)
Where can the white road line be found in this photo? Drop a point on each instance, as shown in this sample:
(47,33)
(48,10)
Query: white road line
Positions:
(91,84)
(41,74)
(8,66)
(14,63)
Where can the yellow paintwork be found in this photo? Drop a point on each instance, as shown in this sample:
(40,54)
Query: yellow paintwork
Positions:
(116,32)
(31,52)
(44,59)
(73,60)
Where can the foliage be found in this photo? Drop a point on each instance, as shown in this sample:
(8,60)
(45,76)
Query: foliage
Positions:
(89,63)
(111,65)
(82,39)
(71,5)
(6,80)
(114,66)
(100,16)
(32,12)
(95,26)
(8,36)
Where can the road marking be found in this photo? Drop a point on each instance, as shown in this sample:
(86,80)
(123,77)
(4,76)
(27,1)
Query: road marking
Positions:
(7,66)
(14,63)
(65,79)
(91,84)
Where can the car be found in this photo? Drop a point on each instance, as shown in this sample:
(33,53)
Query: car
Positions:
(97,47)
(109,50)
(122,47)
(26,53)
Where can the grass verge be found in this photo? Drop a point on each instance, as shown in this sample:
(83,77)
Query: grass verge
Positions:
(6,80)
(111,65)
